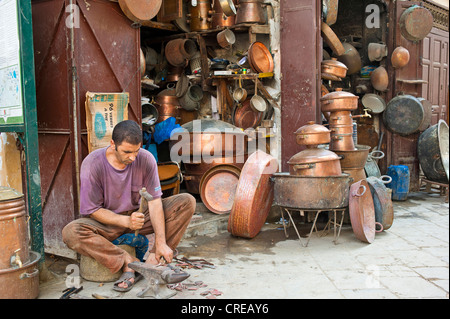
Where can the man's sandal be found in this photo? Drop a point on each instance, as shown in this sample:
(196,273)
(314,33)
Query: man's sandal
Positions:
(126,276)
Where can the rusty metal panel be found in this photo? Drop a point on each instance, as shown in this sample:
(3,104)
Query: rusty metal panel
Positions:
(101,53)
(435,62)
(301,48)
(402,150)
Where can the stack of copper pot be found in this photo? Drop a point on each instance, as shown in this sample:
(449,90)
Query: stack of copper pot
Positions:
(314,161)
(338,106)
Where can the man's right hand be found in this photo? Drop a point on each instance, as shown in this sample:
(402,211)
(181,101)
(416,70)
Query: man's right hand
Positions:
(136,221)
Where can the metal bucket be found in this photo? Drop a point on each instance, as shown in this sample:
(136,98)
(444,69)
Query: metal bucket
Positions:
(23,282)
(433,150)
(311,192)
(13,228)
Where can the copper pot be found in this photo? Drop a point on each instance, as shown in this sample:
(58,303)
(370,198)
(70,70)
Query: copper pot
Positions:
(250,11)
(167,104)
(334,67)
(207,138)
(339,101)
(341,118)
(354,158)
(341,129)
(400,57)
(312,134)
(13,228)
(315,162)
(342,142)
(219,18)
(199,16)
(179,51)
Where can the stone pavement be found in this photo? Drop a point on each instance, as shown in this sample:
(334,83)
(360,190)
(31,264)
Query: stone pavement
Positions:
(409,260)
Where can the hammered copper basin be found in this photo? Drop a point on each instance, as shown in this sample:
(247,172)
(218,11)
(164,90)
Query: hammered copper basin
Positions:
(311,192)
(362,212)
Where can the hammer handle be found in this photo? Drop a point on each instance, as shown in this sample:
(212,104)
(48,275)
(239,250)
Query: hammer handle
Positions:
(141,208)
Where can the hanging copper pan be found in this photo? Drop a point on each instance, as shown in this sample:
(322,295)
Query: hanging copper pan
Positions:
(260,58)
(400,57)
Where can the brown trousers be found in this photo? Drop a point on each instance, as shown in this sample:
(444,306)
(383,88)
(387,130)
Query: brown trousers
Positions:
(91,238)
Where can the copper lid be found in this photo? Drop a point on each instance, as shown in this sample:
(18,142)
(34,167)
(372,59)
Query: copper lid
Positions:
(313,155)
(335,63)
(312,128)
(338,94)
(8,193)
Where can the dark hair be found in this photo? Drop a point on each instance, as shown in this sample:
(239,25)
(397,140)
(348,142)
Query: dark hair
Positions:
(127,131)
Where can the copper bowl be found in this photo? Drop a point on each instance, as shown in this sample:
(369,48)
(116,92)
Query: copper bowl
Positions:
(380,79)
(339,101)
(312,134)
(400,57)
(355,158)
(260,58)
(315,162)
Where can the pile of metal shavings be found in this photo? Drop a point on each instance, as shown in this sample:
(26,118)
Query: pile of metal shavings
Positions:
(184,262)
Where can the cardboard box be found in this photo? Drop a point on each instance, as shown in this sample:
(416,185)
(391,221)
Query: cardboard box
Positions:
(103,112)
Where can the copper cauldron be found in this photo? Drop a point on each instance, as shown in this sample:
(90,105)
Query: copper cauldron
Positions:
(318,192)
(312,134)
(339,101)
(199,16)
(250,11)
(315,162)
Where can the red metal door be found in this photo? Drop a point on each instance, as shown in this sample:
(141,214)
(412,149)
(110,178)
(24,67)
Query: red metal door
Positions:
(402,150)
(100,54)
(435,62)
(301,52)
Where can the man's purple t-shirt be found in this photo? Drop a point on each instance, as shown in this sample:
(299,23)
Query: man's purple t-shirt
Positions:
(103,186)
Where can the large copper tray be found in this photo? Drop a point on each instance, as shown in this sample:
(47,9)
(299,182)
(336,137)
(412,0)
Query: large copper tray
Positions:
(260,58)
(254,195)
(362,212)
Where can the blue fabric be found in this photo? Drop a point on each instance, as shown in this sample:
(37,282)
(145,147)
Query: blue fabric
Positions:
(140,242)
(164,129)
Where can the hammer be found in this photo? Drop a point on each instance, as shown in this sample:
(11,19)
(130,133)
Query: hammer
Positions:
(145,197)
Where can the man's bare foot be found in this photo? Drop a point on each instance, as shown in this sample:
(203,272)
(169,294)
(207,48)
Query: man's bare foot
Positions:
(125,268)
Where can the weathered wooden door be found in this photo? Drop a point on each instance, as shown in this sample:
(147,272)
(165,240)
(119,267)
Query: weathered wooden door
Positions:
(79,46)
(301,52)
(435,62)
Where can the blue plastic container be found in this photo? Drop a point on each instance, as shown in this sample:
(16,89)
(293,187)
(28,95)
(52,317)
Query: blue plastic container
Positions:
(400,181)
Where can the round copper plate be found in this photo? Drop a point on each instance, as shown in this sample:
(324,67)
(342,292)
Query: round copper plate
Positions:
(218,188)
(141,10)
(260,58)
(254,195)
(362,211)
